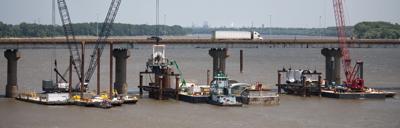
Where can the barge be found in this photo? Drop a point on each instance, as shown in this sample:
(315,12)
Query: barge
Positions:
(45,99)
(87,100)
(299,82)
(369,93)
(307,83)
(259,96)
(193,93)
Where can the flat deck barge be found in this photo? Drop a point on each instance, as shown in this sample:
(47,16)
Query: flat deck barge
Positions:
(194,98)
(357,95)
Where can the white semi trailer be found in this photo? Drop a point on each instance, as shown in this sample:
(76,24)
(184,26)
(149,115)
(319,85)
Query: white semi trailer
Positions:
(236,35)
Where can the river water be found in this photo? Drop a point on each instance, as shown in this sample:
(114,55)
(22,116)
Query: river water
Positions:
(381,71)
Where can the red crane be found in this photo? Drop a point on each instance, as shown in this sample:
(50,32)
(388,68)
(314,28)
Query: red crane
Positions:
(353,75)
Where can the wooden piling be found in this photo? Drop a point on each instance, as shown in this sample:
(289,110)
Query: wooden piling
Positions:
(241,61)
(303,79)
(160,87)
(111,70)
(98,71)
(141,85)
(177,77)
(208,76)
(70,76)
(82,68)
(319,86)
(279,83)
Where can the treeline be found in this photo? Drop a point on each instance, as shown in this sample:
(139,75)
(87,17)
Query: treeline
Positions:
(363,30)
(330,31)
(377,30)
(86,29)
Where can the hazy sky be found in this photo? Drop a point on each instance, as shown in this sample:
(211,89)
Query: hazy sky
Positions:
(237,13)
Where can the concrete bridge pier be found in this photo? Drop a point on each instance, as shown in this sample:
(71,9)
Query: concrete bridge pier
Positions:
(12,56)
(337,56)
(219,56)
(332,65)
(328,65)
(120,70)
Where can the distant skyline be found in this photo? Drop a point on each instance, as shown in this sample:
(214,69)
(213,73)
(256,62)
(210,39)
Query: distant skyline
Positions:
(217,13)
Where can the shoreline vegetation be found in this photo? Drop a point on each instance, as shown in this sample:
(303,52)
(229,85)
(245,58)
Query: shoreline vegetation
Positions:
(362,30)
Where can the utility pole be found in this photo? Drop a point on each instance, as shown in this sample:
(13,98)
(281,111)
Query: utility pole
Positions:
(252,26)
(53,14)
(97,25)
(165,19)
(165,24)
(157,17)
(53,23)
(320,27)
(270,25)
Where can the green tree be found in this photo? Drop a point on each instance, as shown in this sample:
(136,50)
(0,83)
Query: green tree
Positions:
(377,30)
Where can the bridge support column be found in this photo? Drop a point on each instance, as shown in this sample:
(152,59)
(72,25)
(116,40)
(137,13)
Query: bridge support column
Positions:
(361,69)
(337,55)
(328,65)
(12,56)
(219,56)
(120,70)
(332,65)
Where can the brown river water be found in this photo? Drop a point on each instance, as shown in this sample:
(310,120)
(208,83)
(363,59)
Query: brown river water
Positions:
(382,68)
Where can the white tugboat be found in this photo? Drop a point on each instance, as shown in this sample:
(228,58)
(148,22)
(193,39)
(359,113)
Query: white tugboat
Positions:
(221,91)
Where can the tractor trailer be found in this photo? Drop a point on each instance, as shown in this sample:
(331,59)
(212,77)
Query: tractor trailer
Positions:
(235,35)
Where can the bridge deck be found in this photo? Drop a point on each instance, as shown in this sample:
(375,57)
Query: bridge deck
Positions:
(32,43)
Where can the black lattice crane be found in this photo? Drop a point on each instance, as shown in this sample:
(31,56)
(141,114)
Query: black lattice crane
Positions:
(73,45)
(101,41)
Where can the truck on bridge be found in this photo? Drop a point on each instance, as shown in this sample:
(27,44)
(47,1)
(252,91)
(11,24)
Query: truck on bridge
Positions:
(236,35)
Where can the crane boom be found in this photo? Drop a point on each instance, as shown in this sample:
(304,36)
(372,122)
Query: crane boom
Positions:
(104,34)
(351,73)
(73,46)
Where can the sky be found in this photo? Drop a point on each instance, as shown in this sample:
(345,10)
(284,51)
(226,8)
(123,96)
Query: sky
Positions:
(217,13)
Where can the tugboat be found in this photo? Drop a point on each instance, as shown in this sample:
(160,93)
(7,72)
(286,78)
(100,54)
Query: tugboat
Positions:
(221,92)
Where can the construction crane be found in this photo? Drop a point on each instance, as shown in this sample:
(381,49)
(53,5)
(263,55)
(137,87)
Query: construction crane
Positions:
(104,34)
(354,78)
(73,46)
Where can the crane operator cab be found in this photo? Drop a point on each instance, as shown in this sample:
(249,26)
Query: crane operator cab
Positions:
(157,61)
(159,54)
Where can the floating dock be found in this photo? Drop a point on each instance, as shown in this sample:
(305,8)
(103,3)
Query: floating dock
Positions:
(39,100)
(64,99)
(194,98)
(264,97)
(238,104)
(357,95)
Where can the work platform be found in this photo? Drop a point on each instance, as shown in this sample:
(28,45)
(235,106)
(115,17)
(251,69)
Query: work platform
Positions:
(46,43)
(357,95)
